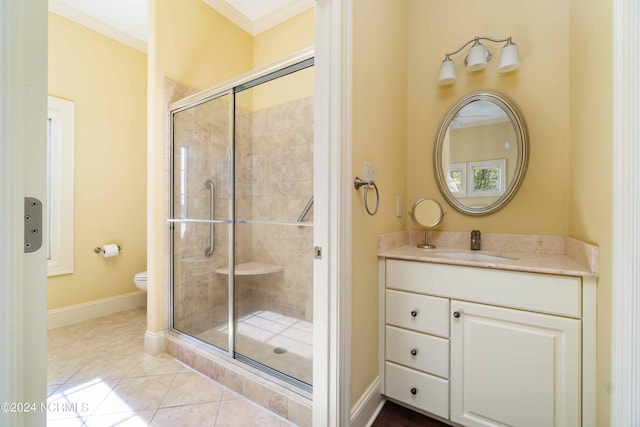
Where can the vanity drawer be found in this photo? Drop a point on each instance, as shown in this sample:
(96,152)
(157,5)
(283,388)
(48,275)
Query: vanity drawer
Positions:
(544,293)
(418,312)
(431,353)
(417,389)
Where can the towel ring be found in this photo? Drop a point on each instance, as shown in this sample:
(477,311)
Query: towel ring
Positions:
(357,183)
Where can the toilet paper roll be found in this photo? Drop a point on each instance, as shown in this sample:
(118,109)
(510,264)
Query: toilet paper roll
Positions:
(110,250)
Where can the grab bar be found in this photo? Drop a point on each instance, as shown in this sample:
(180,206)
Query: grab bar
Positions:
(212,210)
(306,210)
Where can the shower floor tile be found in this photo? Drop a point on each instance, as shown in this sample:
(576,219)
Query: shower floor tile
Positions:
(280,342)
(98,375)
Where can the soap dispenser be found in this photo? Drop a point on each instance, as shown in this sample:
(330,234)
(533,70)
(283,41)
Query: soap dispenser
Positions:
(475,240)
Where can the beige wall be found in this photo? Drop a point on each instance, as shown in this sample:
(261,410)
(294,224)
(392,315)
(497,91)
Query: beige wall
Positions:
(591,161)
(282,40)
(196,46)
(540,89)
(107,82)
(398,47)
(563,93)
(277,43)
(379,137)
(191,44)
(471,144)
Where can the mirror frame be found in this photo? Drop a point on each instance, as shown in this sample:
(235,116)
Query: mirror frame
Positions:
(520,129)
(418,223)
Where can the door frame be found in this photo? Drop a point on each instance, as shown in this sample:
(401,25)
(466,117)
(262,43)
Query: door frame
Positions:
(332,213)
(23,109)
(22,47)
(625,283)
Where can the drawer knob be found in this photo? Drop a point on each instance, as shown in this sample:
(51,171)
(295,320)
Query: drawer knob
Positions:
(414,391)
(414,313)
(414,351)
(456,314)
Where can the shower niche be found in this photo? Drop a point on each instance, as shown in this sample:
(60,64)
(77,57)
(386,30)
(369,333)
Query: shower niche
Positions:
(241,220)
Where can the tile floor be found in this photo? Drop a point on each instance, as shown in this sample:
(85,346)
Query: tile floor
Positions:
(98,375)
(263,334)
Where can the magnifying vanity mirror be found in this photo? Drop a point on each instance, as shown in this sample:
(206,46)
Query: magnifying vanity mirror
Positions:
(481,153)
(427,213)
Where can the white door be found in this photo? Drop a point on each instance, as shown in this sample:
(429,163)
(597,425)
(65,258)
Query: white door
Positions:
(23,109)
(512,367)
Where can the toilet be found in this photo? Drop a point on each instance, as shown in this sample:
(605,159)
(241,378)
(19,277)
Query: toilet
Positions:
(140,280)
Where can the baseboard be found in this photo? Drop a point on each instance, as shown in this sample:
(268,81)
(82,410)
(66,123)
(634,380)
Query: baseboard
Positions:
(367,408)
(154,342)
(92,309)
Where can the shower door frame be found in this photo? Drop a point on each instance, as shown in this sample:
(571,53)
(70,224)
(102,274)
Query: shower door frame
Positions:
(174,109)
(290,65)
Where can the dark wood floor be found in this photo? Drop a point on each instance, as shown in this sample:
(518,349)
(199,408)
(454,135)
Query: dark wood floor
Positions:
(394,415)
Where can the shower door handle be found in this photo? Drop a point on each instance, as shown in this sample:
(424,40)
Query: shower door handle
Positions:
(212,214)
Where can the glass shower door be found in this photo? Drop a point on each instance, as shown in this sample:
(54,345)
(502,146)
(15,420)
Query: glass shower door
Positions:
(201,219)
(274,225)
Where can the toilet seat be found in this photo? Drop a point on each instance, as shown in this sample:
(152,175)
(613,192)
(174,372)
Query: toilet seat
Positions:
(142,276)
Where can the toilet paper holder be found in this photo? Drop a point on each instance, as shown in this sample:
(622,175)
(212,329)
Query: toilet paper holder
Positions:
(98,249)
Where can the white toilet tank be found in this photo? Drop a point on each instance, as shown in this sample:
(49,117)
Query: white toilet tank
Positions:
(140,280)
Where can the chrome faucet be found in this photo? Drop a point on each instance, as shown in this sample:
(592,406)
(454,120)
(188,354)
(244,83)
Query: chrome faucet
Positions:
(475,240)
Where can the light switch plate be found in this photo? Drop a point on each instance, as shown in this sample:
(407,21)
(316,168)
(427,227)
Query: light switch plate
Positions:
(369,172)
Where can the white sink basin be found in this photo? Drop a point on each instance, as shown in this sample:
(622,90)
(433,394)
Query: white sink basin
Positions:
(475,256)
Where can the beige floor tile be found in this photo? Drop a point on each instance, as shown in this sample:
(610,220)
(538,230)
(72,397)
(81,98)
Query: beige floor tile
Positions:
(135,394)
(80,347)
(79,399)
(135,316)
(146,365)
(60,370)
(191,388)
(52,388)
(240,412)
(72,331)
(230,395)
(66,422)
(201,415)
(133,345)
(112,330)
(122,419)
(99,375)
(108,367)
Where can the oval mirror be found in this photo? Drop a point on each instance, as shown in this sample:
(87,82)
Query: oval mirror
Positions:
(427,213)
(481,153)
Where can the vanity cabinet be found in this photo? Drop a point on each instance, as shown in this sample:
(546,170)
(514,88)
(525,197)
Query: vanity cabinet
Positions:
(483,347)
(513,367)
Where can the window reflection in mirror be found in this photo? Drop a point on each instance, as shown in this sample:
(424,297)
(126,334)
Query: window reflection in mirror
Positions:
(479,143)
(481,153)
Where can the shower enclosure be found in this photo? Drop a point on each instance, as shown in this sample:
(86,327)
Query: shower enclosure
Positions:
(242,219)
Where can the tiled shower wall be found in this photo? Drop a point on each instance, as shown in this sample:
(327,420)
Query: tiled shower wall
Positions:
(201,153)
(274,181)
(278,173)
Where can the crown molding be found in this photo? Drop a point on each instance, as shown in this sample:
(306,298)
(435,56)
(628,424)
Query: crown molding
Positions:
(59,8)
(280,15)
(266,22)
(232,14)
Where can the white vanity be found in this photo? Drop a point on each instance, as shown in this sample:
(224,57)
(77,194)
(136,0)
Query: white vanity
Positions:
(504,336)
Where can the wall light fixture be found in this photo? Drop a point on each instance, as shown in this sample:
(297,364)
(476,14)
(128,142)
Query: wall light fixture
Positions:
(478,58)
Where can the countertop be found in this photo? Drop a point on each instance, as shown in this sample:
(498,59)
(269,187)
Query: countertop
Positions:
(529,253)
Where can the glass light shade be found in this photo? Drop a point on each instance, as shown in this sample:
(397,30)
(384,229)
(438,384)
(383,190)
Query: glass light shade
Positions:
(447,72)
(509,59)
(477,58)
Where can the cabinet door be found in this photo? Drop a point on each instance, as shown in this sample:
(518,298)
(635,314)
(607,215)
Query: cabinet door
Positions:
(512,367)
